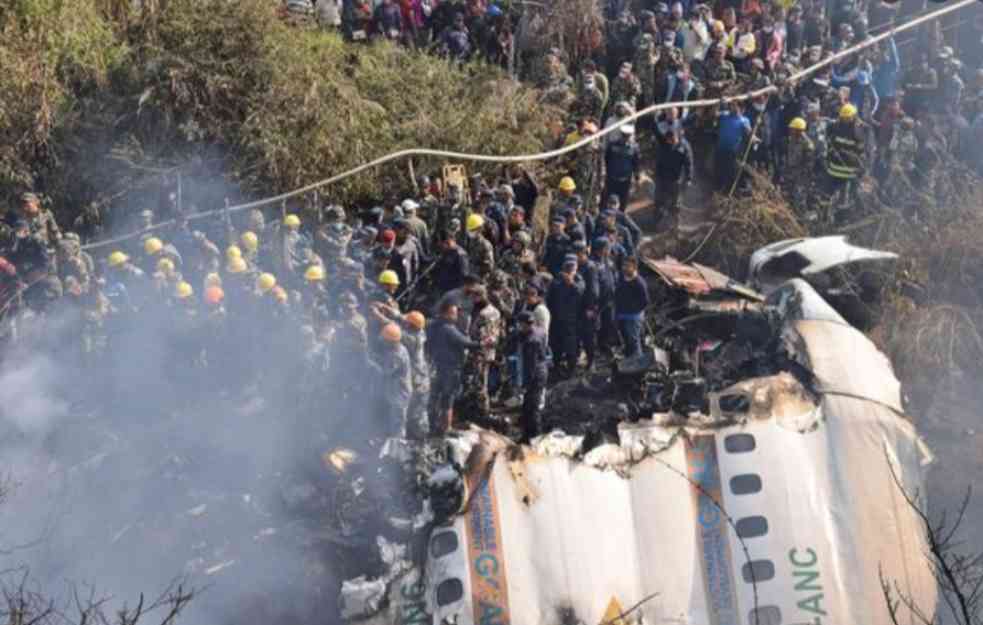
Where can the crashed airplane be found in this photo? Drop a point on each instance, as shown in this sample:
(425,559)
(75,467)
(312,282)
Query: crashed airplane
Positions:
(742,471)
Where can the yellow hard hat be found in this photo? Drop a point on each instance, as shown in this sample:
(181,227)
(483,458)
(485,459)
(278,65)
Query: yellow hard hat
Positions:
(152,245)
(165,265)
(797,124)
(416,319)
(291,221)
(848,112)
(117,258)
(389,277)
(567,184)
(236,265)
(265,282)
(183,290)
(314,273)
(280,294)
(233,251)
(213,279)
(391,333)
(249,241)
(475,222)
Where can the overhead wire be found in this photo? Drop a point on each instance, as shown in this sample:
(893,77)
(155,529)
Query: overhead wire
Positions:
(551,154)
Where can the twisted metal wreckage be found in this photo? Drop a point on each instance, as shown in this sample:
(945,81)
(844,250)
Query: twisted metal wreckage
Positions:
(741,471)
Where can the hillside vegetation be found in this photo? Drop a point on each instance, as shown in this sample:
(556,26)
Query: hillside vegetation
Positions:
(98,99)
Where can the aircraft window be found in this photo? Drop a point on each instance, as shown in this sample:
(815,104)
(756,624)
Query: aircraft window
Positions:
(735,403)
(443,543)
(745,484)
(739,443)
(765,615)
(752,526)
(758,571)
(449,591)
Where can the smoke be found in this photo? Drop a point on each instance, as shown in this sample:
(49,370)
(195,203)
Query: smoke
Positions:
(142,465)
(26,400)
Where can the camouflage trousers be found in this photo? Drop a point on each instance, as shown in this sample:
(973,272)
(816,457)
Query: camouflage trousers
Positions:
(418,416)
(474,401)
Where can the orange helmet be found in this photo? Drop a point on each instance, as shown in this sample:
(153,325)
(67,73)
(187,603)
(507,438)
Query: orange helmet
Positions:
(214,295)
(416,319)
(391,333)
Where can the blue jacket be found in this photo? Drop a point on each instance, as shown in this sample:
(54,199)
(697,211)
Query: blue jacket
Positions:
(885,77)
(621,160)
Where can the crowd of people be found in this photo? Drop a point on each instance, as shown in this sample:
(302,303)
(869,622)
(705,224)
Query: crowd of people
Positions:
(451,302)
(445,302)
(877,112)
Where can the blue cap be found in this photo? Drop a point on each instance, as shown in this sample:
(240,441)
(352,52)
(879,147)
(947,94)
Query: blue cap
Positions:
(493,10)
(570,258)
(601,243)
(579,246)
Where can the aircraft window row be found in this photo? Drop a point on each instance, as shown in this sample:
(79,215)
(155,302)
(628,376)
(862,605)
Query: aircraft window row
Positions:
(765,615)
(739,443)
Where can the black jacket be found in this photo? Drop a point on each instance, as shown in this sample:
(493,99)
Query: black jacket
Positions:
(450,270)
(447,344)
(674,164)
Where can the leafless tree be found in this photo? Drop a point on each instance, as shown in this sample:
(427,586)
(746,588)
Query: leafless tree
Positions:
(957,569)
(24,602)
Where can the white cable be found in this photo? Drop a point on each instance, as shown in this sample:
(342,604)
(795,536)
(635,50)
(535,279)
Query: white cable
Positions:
(542,156)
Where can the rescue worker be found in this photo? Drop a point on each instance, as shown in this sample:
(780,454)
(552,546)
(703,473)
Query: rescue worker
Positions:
(40,220)
(452,265)
(622,160)
(588,320)
(397,380)
(673,171)
(631,299)
(74,262)
(529,346)
(486,328)
(845,156)
(556,246)
(415,341)
(626,86)
(565,299)
(607,330)
(447,349)
(566,188)
(480,251)
(799,164)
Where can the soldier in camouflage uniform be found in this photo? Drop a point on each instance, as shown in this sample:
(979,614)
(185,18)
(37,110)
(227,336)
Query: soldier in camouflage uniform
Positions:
(478,248)
(720,74)
(519,254)
(756,79)
(719,77)
(670,57)
(40,220)
(589,103)
(626,86)
(646,59)
(414,339)
(74,262)
(486,326)
(800,163)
